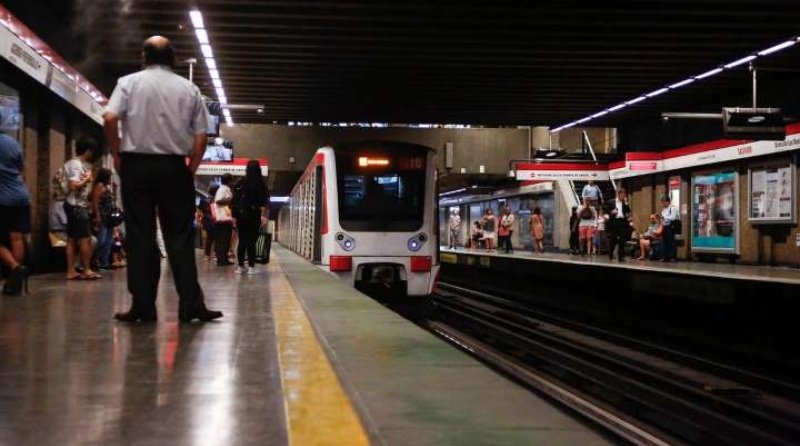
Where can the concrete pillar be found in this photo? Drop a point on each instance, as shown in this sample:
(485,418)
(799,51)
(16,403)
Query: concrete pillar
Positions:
(540,138)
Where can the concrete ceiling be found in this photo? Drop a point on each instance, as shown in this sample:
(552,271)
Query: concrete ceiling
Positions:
(545,63)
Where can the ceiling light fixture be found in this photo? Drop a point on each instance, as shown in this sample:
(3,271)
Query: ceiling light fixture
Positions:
(741,61)
(777,47)
(709,73)
(734,64)
(653,94)
(208,54)
(682,83)
(202,35)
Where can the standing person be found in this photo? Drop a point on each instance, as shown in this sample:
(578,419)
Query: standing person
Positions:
(600,236)
(537,230)
(454,224)
(573,231)
(593,193)
(208,222)
(506,229)
(588,222)
(15,215)
(163,120)
(78,178)
(670,219)
(487,223)
(250,211)
(102,205)
(619,225)
(223,221)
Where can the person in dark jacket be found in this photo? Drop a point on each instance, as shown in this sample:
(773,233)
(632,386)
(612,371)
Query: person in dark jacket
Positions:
(574,231)
(250,211)
(619,225)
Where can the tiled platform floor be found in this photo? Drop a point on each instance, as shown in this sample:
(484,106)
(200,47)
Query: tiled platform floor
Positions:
(266,374)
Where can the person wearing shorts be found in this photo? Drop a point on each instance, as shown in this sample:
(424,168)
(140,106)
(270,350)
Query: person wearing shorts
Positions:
(587,215)
(78,173)
(15,215)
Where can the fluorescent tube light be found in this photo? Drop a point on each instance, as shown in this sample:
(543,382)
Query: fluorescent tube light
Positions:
(777,47)
(202,35)
(657,92)
(637,100)
(617,107)
(213,73)
(211,63)
(197,18)
(206,49)
(741,61)
(709,73)
(682,83)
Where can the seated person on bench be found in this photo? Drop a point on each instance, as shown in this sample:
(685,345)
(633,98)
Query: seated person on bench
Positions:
(649,243)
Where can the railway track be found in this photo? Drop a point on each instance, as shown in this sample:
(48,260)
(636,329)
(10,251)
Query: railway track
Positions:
(645,394)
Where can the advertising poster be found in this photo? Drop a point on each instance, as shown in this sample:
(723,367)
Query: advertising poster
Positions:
(772,194)
(714,212)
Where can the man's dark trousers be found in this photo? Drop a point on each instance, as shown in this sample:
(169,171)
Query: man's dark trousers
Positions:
(159,186)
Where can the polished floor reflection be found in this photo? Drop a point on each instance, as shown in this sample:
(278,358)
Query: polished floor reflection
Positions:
(71,375)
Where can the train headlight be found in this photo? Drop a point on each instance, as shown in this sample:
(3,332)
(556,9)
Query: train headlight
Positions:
(415,243)
(345,241)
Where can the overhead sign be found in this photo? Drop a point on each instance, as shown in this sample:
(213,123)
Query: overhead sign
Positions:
(23,56)
(562,171)
(237,167)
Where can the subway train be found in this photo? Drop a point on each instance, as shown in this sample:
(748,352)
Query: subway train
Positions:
(367,212)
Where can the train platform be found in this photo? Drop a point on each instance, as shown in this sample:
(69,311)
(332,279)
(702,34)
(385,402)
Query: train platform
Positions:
(713,282)
(300,358)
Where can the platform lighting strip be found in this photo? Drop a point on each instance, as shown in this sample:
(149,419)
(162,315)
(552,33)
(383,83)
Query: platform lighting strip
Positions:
(208,55)
(773,49)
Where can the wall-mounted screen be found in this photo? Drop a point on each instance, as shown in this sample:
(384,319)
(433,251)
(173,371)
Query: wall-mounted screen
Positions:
(715,211)
(214,116)
(772,194)
(219,150)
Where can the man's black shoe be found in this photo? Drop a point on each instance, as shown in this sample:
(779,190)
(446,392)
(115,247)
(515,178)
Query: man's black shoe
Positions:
(135,316)
(204,315)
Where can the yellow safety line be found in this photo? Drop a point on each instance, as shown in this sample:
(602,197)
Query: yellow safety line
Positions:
(318,411)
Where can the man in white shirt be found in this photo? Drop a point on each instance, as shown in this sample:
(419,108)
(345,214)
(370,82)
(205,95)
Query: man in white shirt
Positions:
(669,215)
(455,229)
(164,121)
(593,193)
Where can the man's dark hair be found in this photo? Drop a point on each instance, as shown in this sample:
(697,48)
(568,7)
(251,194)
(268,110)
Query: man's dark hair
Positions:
(155,54)
(226,179)
(85,144)
(666,198)
(103,177)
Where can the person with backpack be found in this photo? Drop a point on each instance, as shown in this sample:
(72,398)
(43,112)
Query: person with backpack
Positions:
(76,184)
(250,211)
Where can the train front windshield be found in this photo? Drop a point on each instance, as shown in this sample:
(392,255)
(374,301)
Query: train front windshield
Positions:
(381,192)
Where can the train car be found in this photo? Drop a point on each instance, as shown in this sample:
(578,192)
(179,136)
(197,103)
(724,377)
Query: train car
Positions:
(367,212)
